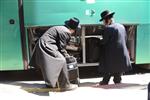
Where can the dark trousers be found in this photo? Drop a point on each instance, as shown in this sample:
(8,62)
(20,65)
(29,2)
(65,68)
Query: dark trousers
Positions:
(107,76)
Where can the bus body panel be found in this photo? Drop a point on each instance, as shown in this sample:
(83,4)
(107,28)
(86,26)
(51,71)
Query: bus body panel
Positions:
(55,12)
(10,41)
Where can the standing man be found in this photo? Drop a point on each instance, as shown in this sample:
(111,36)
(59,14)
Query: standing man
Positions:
(50,53)
(115,58)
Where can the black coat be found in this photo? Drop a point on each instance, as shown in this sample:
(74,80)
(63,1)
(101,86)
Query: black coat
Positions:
(114,53)
(49,54)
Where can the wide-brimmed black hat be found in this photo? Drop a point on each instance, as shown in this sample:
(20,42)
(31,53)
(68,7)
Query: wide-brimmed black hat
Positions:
(73,23)
(106,14)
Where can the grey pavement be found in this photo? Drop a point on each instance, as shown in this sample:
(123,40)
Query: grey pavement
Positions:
(133,87)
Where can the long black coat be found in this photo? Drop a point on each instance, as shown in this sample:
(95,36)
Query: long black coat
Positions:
(49,54)
(114,54)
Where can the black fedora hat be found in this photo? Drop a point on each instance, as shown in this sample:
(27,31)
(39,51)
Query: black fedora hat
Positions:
(73,23)
(106,14)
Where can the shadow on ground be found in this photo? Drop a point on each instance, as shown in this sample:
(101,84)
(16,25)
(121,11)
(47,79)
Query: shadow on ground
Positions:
(115,86)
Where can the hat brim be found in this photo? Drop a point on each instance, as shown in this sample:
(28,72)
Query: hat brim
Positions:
(67,24)
(109,15)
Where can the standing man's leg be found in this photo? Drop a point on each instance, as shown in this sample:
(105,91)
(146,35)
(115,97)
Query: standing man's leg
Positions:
(117,78)
(106,78)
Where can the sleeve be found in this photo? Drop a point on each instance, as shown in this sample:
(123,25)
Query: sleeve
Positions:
(64,53)
(105,35)
(63,41)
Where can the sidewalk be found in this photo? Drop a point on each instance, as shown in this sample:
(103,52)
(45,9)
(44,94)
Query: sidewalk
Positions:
(133,87)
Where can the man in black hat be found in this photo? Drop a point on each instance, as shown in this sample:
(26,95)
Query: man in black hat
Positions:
(115,58)
(50,53)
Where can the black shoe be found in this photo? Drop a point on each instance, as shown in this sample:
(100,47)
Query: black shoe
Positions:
(117,82)
(103,83)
